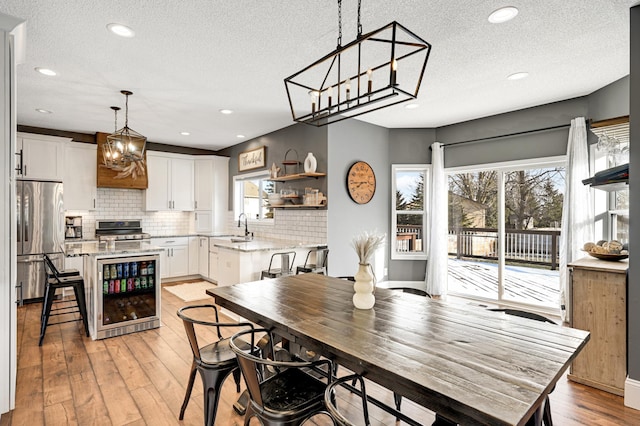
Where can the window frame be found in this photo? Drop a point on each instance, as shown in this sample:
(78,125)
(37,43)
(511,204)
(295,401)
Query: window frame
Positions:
(238,195)
(422,255)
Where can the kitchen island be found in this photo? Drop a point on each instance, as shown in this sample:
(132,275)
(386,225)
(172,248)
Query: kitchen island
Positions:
(122,285)
(232,261)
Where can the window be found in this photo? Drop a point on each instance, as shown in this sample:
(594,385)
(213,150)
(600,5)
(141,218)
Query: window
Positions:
(251,192)
(409,211)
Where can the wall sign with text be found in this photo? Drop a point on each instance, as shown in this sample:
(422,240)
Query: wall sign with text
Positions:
(253,159)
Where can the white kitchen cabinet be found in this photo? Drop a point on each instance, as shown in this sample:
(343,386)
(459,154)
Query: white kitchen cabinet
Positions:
(80,190)
(194,255)
(171,182)
(174,259)
(40,157)
(203,256)
(211,193)
(213,262)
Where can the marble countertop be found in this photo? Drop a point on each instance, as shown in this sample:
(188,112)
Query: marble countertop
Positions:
(259,244)
(94,248)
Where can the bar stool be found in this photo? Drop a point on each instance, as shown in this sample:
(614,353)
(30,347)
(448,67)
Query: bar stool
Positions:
(57,281)
(287,260)
(320,267)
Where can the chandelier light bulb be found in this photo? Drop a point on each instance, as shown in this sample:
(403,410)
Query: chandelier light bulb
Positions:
(370,80)
(347,85)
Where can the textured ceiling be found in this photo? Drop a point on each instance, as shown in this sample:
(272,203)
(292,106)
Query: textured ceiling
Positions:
(189,59)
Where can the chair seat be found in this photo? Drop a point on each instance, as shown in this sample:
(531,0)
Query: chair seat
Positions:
(220,353)
(66,273)
(292,390)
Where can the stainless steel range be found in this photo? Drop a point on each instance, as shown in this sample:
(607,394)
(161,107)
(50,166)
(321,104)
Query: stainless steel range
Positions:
(108,230)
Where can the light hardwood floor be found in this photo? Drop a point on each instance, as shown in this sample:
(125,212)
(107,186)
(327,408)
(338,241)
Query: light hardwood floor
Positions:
(139,379)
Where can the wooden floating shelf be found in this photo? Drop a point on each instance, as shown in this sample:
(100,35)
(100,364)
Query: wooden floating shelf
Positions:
(300,206)
(297,176)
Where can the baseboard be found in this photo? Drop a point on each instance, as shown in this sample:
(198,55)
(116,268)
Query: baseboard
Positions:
(632,393)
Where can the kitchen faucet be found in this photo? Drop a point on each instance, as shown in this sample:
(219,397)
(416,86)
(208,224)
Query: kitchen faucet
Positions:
(246,230)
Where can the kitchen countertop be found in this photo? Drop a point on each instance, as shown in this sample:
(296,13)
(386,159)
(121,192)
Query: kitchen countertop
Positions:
(260,244)
(94,248)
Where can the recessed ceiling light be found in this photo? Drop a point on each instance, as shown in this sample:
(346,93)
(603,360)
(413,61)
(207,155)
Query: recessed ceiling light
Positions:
(240,136)
(226,111)
(46,71)
(503,14)
(518,76)
(43,111)
(412,106)
(121,30)
(185,133)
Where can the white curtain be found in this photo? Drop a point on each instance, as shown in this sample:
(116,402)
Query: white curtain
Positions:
(436,275)
(577,210)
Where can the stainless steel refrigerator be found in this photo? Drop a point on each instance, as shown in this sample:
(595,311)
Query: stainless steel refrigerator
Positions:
(40,230)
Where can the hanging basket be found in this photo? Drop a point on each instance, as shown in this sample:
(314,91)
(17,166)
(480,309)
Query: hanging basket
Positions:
(294,165)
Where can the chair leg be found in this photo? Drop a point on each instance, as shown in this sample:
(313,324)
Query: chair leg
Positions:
(47,303)
(236,378)
(187,395)
(546,416)
(82,306)
(397,399)
(212,382)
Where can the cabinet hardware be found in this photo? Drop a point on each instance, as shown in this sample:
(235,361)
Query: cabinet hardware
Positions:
(19,300)
(25,170)
(19,167)
(196,203)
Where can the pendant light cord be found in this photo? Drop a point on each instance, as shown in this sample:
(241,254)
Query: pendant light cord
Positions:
(126,111)
(359,25)
(339,23)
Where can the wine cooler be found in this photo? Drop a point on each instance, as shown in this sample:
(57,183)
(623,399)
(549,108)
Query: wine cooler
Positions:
(127,295)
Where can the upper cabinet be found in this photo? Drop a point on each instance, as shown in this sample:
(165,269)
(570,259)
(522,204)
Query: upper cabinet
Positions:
(171,182)
(80,191)
(211,193)
(40,157)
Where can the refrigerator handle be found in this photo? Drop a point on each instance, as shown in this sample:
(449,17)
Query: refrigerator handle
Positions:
(19,167)
(19,299)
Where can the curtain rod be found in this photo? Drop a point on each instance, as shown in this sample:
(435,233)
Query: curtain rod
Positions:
(562,126)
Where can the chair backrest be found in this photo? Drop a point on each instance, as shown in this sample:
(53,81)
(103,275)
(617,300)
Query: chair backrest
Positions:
(189,321)
(50,267)
(330,400)
(524,314)
(287,260)
(254,366)
(412,290)
(321,255)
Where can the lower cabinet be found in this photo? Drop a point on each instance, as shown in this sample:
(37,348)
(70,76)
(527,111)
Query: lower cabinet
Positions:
(174,259)
(598,300)
(203,257)
(213,263)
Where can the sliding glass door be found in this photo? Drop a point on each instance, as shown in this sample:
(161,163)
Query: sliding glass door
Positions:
(504,232)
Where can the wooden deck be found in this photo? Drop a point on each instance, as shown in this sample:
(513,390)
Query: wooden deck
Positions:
(528,285)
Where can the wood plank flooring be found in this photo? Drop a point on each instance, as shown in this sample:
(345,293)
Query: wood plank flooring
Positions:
(140,379)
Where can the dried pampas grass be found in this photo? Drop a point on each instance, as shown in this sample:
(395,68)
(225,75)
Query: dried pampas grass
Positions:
(366,244)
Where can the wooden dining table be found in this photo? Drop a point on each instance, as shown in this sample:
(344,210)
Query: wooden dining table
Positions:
(468,364)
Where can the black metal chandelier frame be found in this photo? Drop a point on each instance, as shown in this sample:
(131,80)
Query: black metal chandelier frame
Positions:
(322,110)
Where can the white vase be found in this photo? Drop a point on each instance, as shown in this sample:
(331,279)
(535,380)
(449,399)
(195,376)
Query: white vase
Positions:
(310,163)
(363,287)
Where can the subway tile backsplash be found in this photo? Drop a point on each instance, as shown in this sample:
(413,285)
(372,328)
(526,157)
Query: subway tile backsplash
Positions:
(306,226)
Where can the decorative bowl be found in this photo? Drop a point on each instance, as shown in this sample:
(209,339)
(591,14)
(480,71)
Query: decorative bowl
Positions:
(608,256)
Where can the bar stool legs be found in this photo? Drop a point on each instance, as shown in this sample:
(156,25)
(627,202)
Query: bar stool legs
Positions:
(54,284)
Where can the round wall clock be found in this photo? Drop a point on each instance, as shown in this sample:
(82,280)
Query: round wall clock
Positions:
(361,182)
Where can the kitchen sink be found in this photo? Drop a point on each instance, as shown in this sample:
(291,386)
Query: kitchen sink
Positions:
(239,240)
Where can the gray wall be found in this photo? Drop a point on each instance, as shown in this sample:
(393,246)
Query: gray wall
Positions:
(350,141)
(611,101)
(533,145)
(633,302)
(300,137)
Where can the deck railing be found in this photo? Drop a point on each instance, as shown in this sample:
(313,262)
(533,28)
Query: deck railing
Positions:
(541,247)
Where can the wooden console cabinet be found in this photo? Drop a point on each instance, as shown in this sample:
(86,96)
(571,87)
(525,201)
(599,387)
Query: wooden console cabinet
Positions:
(599,305)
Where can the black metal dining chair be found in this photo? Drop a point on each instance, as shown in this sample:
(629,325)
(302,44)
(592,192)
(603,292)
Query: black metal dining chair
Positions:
(281,393)
(330,400)
(287,260)
(546,415)
(320,266)
(214,361)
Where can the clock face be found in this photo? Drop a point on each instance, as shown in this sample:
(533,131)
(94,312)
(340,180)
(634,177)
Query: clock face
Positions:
(361,182)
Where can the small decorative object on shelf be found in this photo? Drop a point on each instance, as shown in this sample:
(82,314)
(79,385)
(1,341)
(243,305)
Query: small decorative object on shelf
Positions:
(273,171)
(365,246)
(289,162)
(310,163)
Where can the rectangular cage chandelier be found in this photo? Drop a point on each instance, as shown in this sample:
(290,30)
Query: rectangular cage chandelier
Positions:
(378,69)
